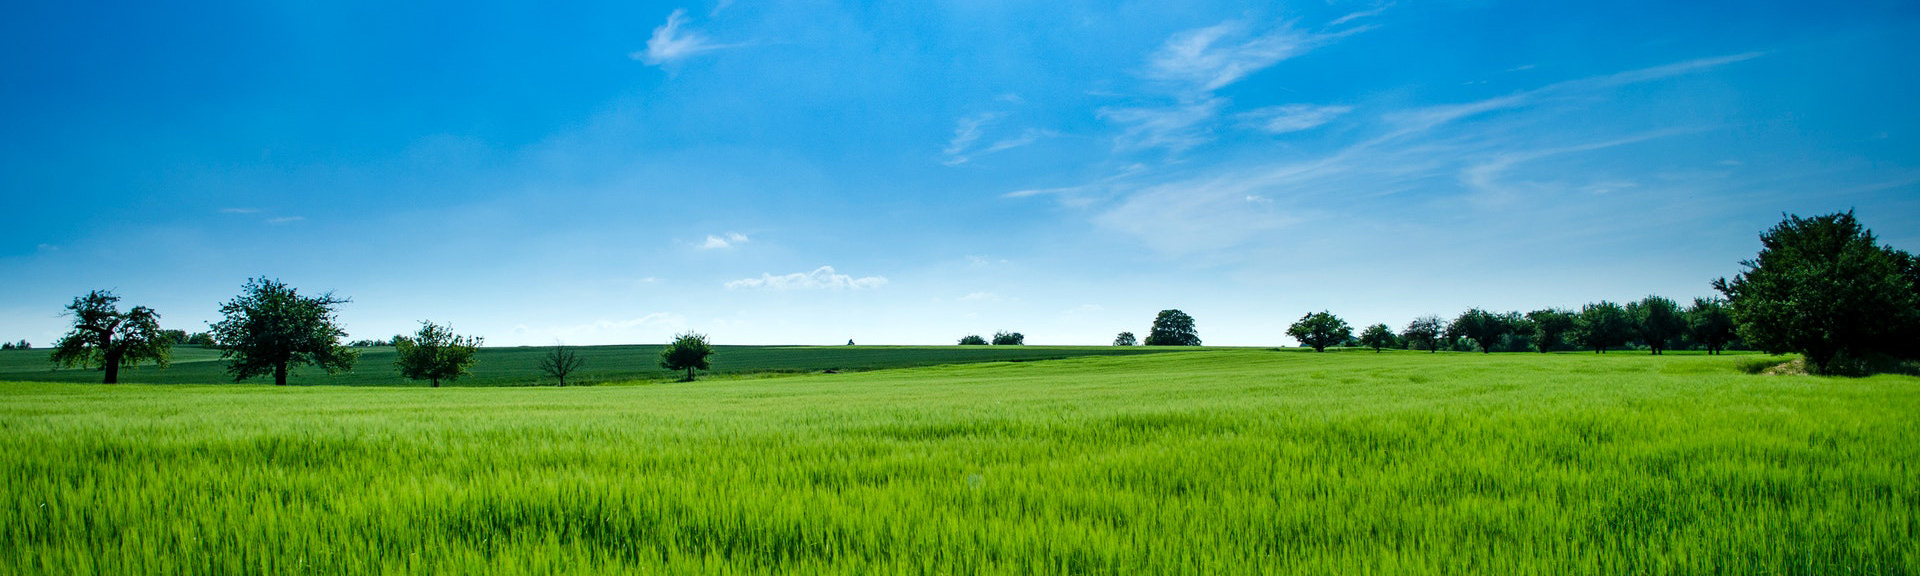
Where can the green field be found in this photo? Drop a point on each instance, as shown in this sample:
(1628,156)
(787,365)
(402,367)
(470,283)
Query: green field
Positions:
(1196,462)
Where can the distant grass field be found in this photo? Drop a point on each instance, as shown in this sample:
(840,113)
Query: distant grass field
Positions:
(601,364)
(1201,462)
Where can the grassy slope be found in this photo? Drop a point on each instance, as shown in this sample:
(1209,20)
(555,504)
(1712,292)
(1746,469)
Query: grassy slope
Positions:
(1199,462)
(521,366)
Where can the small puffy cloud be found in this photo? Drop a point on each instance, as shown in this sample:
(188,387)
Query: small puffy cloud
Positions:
(1292,117)
(674,41)
(822,278)
(729,240)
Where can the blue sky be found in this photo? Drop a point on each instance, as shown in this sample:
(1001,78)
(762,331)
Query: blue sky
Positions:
(909,173)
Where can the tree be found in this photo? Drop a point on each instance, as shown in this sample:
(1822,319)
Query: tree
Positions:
(1550,327)
(435,353)
(1824,288)
(1320,330)
(1483,327)
(1125,339)
(1005,338)
(1425,332)
(103,336)
(1709,323)
(1173,328)
(1378,336)
(270,328)
(687,352)
(201,339)
(560,362)
(973,340)
(1657,321)
(1602,326)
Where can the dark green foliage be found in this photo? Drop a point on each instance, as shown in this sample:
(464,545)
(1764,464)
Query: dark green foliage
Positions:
(270,328)
(1822,287)
(1602,326)
(973,340)
(688,352)
(1125,339)
(1173,328)
(1005,338)
(1378,336)
(1425,333)
(1550,327)
(1657,322)
(561,362)
(1320,330)
(435,353)
(1709,323)
(1484,328)
(103,336)
(21,345)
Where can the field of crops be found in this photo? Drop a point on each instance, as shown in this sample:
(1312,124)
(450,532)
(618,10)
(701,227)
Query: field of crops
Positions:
(1195,462)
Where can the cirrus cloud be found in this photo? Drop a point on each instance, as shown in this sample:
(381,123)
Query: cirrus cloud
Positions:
(822,278)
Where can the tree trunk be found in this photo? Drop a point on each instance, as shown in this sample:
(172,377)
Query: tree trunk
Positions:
(280,374)
(113,368)
(689,374)
(435,381)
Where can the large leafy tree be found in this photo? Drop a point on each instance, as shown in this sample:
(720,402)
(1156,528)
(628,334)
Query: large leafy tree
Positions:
(270,328)
(1425,332)
(1483,328)
(972,340)
(1824,288)
(1603,325)
(1550,327)
(105,337)
(1657,321)
(1005,338)
(1378,336)
(1173,328)
(1320,330)
(1709,323)
(687,352)
(435,353)
(1125,339)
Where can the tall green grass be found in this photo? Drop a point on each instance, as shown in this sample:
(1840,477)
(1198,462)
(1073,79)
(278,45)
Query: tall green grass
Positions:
(1223,461)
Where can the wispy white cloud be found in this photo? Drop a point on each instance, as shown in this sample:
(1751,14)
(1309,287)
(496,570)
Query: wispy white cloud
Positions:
(822,278)
(1359,15)
(969,130)
(728,240)
(1175,128)
(1207,59)
(239,210)
(285,219)
(675,41)
(1292,117)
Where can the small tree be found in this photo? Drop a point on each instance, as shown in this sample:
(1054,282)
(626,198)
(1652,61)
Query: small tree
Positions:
(1482,327)
(1602,326)
(1320,330)
(1173,328)
(435,353)
(1657,321)
(1125,339)
(973,340)
(1425,332)
(560,362)
(270,327)
(103,336)
(1550,327)
(687,352)
(1378,336)
(1004,338)
(1823,287)
(1710,324)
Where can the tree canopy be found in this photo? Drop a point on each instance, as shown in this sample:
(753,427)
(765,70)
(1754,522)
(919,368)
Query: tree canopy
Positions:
(560,362)
(1378,336)
(1824,288)
(1603,325)
(1550,327)
(973,340)
(1173,328)
(1125,339)
(1709,323)
(435,353)
(106,338)
(688,352)
(270,327)
(1483,328)
(1005,338)
(1657,321)
(1320,330)
(1425,332)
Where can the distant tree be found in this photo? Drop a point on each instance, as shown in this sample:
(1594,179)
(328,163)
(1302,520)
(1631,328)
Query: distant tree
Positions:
(1425,332)
(1320,330)
(560,362)
(103,336)
(435,353)
(1125,339)
(1550,327)
(1173,328)
(1004,338)
(1378,336)
(973,340)
(1823,287)
(201,339)
(849,341)
(270,328)
(1483,328)
(1656,321)
(687,352)
(175,337)
(6,345)
(1603,325)
(1709,323)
